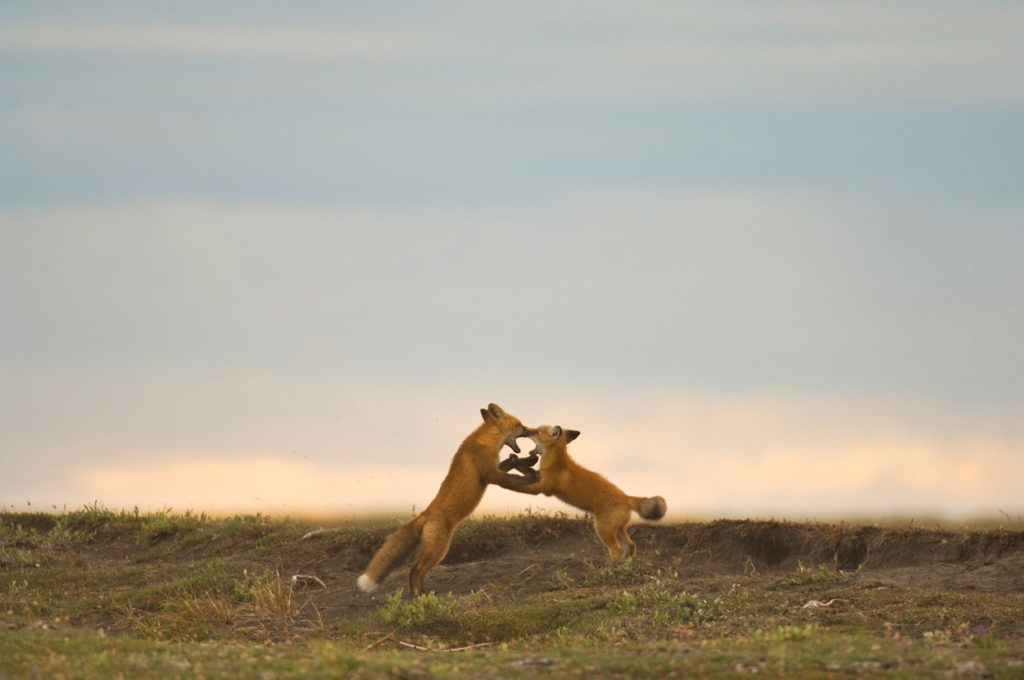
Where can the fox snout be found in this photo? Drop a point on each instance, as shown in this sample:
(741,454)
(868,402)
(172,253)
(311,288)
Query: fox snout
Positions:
(512,440)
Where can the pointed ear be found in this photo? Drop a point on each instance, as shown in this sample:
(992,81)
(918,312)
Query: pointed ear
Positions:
(570,435)
(556,432)
(492,412)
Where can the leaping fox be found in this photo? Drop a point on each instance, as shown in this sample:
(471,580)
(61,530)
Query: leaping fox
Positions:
(566,479)
(474,466)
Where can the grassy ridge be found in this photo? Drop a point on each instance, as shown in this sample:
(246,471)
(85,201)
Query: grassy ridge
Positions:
(98,593)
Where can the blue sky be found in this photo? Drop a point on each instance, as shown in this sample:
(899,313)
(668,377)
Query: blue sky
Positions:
(276,257)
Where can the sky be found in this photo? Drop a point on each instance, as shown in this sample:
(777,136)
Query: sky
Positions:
(274,257)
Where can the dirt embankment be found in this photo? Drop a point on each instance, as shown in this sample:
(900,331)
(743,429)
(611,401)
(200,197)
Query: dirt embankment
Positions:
(522,555)
(527,554)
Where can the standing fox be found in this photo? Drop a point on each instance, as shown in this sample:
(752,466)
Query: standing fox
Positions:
(474,466)
(569,481)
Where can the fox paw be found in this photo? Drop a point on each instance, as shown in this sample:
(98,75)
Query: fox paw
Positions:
(523,465)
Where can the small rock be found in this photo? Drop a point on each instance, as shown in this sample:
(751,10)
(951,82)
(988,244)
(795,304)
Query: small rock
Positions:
(972,668)
(531,662)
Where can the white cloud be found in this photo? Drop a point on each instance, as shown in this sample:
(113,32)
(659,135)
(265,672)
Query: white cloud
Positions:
(646,51)
(255,483)
(709,457)
(313,428)
(730,288)
(796,455)
(281,41)
(857,478)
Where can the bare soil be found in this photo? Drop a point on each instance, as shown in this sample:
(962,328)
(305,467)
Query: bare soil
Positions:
(519,557)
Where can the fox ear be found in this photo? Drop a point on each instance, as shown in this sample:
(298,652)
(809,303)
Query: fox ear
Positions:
(570,435)
(556,432)
(493,411)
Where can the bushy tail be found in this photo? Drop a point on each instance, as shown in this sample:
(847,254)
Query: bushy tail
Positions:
(394,550)
(649,508)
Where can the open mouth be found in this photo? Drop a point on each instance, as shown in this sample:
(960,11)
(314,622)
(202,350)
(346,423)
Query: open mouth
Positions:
(511,441)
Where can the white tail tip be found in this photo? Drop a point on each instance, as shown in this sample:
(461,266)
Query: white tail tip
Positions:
(366,584)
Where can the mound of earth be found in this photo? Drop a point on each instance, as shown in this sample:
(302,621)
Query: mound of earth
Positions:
(521,556)
(524,555)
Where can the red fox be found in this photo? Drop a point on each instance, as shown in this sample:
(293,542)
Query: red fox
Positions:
(569,481)
(474,466)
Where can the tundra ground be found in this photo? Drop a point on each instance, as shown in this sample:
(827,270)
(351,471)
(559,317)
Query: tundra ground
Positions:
(96,592)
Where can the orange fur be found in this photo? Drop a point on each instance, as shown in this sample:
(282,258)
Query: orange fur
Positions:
(564,478)
(474,466)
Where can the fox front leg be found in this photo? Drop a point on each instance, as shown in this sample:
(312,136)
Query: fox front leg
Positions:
(523,465)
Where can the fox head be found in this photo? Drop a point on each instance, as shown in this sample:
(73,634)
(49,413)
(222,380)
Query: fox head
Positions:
(507,424)
(547,437)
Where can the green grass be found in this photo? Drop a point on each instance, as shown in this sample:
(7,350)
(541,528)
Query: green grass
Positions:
(101,593)
(809,652)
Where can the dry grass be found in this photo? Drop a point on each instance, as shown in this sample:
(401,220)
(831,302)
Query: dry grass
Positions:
(97,593)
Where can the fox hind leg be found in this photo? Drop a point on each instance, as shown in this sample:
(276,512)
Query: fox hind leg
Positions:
(607,531)
(625,541)
(434,544)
